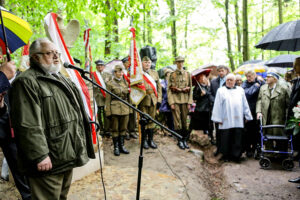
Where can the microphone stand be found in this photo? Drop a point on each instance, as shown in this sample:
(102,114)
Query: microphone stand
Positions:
(145,118)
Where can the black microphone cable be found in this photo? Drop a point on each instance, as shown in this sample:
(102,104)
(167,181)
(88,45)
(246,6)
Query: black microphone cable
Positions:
(98,145)
(174,173)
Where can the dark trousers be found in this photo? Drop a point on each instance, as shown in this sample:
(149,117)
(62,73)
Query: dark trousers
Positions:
(9,149)
(218,138)
(54,187)
(252,135)
(103,121)
(231,142)
(132,122)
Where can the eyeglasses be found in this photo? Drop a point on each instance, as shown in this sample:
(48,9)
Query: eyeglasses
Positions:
(50,53)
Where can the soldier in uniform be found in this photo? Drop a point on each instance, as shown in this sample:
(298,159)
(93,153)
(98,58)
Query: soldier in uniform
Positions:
(151,101)
(117,111)
(102,78)
(180,98)
(132,115)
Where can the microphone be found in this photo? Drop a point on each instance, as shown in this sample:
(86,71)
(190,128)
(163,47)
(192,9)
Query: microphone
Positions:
(68,65)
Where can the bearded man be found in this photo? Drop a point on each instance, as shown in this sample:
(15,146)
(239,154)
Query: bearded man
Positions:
(51,127)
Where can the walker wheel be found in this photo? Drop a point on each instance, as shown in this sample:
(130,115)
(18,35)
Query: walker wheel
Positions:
(265,163)
(287,164)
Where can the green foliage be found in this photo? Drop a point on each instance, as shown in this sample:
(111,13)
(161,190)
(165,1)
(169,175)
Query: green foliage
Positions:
(206,40)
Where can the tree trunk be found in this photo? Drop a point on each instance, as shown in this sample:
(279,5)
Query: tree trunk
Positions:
(280,11)
(245,32)
(116,33)
(238,30)
(144,25)
(149,27)
(2,3)
(262,26)
(173,28)
(107,44)
(226,22)
(186,31)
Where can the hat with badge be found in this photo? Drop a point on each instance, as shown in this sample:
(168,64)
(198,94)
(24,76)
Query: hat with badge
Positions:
(146,58)
(118,68)
(179,59)
(99,62)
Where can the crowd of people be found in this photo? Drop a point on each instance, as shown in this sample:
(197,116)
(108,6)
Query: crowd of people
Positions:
(51,132)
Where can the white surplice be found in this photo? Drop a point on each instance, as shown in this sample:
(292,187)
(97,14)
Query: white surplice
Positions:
(230,108)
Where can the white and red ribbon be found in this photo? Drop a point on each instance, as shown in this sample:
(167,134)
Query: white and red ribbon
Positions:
(57,39)
(151,82)
(100,81)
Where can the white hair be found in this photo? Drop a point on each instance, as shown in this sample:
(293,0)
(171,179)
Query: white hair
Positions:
(35,47)
(231,75)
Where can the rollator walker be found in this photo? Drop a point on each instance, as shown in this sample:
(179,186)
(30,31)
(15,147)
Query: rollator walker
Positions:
(287,140)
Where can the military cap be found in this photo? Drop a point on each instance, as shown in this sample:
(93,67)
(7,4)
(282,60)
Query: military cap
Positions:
(125,59)
(167,70)
(179,59)
(118,68)
(146,58)
(99,62)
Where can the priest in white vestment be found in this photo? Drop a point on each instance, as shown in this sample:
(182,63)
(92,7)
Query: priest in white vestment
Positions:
(230,110)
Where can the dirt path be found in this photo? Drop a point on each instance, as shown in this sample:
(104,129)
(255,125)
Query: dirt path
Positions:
(171,173)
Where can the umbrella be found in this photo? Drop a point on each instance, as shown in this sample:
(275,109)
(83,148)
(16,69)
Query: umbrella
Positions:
(15,33)
(197,72)
(258,68)
(286,60)
(252,62)
(109,67)
(285,37)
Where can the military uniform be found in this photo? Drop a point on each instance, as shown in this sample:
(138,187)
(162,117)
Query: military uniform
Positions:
(100,100)
(118,112)
(180,95)
(148,105)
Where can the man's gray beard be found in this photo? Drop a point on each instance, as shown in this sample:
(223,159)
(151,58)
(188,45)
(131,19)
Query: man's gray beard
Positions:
(52,68)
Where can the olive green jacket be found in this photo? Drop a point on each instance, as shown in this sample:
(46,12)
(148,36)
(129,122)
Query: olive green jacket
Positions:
(49,119)
(150,97)
(279,102)
(112,105)
(180,80)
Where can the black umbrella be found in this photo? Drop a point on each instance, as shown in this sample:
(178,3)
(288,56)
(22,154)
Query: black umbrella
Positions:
(252,62)
(285,37)
(286,60)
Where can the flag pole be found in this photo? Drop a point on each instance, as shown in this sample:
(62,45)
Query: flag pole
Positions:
(5,38)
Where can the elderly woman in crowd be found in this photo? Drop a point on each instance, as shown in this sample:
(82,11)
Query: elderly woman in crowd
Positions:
(204,100)
(117,111)
(251,87)
(230,109)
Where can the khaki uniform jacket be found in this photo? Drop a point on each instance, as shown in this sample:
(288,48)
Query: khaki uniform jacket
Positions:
(49,119)
(279,102)
(100,100)
(150,97)
(178,80)
(114,106)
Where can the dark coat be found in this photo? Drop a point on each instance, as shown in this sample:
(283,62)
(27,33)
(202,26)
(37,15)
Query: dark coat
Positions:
(164,107)
(4,83)
(4,121)
(251,92)
(295,96)
(49,119)
(214,85)
(203,103)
